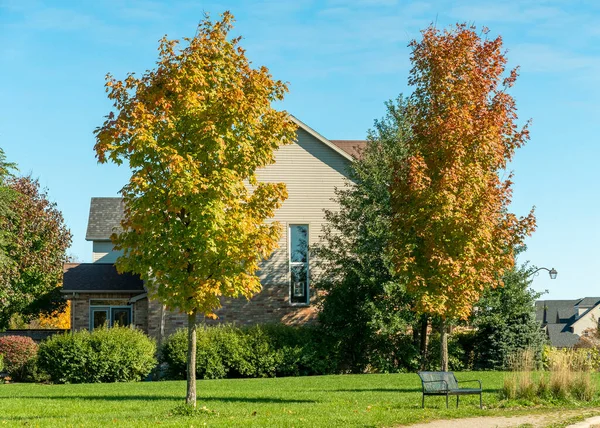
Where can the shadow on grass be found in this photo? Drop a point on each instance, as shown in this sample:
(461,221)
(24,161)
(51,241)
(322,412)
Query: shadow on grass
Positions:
(160,398)
(394,390)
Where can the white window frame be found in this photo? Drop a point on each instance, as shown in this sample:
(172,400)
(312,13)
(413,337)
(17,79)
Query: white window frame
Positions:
(291,264)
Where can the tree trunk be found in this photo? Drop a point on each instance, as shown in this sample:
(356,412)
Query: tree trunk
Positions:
(424,340)
(444,344)
(190,400)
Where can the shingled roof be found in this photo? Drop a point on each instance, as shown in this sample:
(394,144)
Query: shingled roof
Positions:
(105,218)
(560,336)
(99,277)
(558,317)
(353,147)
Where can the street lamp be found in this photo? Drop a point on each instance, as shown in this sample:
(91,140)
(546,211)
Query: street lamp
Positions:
(553,273)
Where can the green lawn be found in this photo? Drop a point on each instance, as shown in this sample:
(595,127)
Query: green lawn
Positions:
(349,400)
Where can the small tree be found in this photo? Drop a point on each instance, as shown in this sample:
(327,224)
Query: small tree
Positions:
(36,250)
(194,132)
(505,321)
(454,236)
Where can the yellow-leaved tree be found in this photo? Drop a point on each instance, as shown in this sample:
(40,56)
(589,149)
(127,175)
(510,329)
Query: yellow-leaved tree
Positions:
(453,233)
(194,131)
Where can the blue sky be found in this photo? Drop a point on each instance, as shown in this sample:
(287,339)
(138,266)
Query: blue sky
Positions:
(343,59)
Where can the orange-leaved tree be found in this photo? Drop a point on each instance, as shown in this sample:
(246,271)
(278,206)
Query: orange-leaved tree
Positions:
(194,131)
(453,233)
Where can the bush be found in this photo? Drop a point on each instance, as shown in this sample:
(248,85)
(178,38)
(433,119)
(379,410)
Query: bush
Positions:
(1,363)
(259,351)
(118,354)
(19,357)
(68,358)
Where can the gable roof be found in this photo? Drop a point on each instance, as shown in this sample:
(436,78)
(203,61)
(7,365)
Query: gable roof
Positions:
(589,302)
(98,277)
(322,139)
(559,317)
(104,219)
(555,311)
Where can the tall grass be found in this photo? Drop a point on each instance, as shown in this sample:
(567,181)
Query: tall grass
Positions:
(568,376)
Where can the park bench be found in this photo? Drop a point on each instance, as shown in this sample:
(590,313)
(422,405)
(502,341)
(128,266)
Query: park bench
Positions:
(445,383)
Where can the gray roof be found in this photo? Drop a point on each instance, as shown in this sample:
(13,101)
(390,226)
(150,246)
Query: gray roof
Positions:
(559,315)
(555,311)
(105,218)
(560,336)
(90,277)
(589,302)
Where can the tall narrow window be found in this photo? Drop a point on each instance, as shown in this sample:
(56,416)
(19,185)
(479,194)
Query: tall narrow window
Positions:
(298,247)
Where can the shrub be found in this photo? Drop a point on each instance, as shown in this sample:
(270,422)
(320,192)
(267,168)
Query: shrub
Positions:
(122,354)
(259,351)
(118,354)
(19,356)
(1,363)
(68,358)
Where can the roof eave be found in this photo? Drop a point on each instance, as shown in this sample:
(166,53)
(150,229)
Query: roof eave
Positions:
(322,139)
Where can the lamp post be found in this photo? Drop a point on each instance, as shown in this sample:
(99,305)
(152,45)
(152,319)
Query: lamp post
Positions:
(553,273)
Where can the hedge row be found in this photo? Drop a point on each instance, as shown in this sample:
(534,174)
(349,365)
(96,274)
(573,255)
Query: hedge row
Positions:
(118,354)
(226,351)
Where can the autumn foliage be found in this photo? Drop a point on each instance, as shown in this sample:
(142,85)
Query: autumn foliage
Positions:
(453,234)
(194,131)
(37,240)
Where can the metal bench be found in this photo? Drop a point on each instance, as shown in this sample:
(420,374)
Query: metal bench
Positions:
(445,383)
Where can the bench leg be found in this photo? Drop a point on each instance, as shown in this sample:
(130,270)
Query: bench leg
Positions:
(457,401)
(446,401)
(423,402)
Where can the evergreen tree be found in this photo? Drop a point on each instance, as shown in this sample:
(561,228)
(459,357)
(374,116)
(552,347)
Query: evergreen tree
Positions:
(364,309)
(505,321)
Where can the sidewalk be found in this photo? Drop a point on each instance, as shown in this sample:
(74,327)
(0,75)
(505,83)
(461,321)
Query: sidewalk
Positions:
(535,421)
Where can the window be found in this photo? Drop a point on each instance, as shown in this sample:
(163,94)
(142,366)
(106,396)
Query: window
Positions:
(109,313)
(298,248)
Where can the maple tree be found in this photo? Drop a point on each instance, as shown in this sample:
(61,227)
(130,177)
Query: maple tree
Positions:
(194,131)
(35,251)
(454,235)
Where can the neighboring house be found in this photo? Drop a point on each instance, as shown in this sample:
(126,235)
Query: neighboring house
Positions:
(565,321)
(312,168)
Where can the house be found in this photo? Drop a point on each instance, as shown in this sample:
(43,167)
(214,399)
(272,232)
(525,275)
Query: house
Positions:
(565,321)
(312,168)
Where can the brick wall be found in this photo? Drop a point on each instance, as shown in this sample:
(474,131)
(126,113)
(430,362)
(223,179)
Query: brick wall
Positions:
(271,305)
(80,309)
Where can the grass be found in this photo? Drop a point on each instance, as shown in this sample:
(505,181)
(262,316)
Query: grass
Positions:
(349,400)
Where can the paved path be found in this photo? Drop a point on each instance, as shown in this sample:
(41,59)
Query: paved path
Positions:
(536,421)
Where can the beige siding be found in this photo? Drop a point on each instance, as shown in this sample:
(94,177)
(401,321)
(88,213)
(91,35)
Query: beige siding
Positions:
(311,171)
(588,321)
(102,252)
